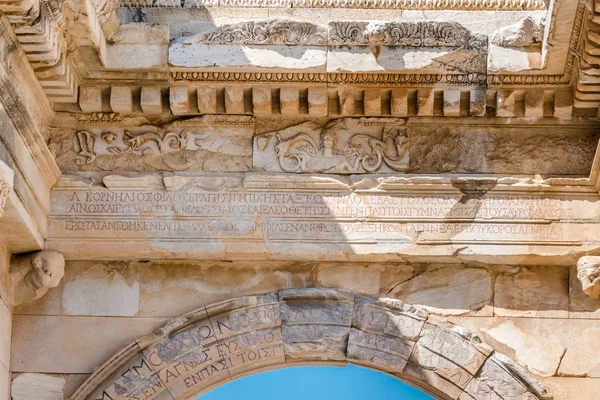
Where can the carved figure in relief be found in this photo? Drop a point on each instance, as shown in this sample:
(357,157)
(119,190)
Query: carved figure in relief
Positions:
(87,147)
(588,273)
(34,274)
(359,153)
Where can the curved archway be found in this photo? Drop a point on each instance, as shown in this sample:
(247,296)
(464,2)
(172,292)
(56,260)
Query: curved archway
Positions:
(220,342)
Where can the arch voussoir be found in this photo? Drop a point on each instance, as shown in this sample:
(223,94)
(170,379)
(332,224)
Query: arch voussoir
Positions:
(220,342)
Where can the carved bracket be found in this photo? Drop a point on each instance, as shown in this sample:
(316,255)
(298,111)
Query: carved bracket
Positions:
(32,275)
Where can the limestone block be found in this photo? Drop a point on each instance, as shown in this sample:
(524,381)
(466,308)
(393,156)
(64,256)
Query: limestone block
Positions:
(497,381)
(536,348)
(261,101)
(90,99)
(234,100)
(451,103)
(315,323)
(110,289)
(183,287)
(5,334)
(446,360)
(317,101)
(389,317)
(532,292)
(372,101)
(534,103)
(572,388)
(207,100)
(563,103)
(477,102)
(582,357)
(263,56)
(506,103)
(347,100)
(151,100)
(449,290)
(378,351)
(358,278)
(179,100)
(399,102)
(425,100)
(68,353)
(121,99)
(37,386)
(289,101)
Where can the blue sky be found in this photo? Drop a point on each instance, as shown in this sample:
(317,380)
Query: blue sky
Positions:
(317,383)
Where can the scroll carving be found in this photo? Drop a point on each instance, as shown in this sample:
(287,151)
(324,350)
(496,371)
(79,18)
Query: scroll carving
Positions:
(34,274)
(275,31)
(344,146)
(527,33)
(6,184)
(410,34)
(588,273)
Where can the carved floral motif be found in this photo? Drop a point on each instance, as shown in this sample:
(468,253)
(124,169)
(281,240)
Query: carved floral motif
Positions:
(343,146)
(264,32)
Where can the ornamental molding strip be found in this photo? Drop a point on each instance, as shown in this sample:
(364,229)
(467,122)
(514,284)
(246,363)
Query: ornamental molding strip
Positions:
(238,337)
(469,5)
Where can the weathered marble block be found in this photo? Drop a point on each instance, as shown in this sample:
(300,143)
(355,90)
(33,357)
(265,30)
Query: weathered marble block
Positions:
(371,349)
(446,359)
(342,146)
(315,323)
(392,317)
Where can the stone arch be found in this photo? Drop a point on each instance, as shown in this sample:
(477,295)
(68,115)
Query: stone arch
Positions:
(212,345)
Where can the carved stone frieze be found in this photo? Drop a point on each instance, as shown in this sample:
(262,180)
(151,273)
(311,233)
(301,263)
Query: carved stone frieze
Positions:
(197,144)
(277,31)
(34,274)
(344,146)
(405,33)
(470,5)
(588,273)
(6,184)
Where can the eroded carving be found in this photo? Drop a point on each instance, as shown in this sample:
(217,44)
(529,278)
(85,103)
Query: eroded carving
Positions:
(246,335)
(33,275)
(6,184)
(264,32)
(345,146)
(588,273)
(526,33)
(410,34)
(197,144)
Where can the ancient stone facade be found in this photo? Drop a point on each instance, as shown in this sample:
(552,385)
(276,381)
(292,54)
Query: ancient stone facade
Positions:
(195,191)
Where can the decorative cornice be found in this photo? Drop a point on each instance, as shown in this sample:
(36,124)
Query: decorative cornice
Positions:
(283,32)
(468,5)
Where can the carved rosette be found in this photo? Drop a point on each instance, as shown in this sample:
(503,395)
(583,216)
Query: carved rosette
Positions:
(6,184)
